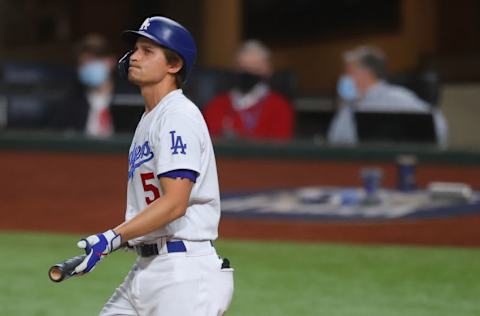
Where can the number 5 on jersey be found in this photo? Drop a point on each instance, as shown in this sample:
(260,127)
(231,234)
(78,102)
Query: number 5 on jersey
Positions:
(149,186)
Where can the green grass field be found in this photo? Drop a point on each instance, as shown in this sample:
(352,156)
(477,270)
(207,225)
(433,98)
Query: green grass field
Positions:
(271,279)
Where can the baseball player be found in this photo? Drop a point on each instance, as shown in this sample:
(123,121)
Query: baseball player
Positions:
(173,205)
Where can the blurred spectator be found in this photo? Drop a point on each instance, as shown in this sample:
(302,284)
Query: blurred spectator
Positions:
(363,87)
(86,106)
(251,110)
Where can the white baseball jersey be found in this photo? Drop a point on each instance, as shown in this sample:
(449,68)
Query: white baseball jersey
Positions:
(172,136)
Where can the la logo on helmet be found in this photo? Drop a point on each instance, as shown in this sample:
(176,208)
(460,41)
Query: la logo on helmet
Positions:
(145,25)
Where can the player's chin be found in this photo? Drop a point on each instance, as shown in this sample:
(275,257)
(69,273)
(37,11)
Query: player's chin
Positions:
(134,78)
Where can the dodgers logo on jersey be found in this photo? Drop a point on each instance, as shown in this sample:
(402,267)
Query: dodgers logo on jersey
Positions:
(138,156)
(177,144)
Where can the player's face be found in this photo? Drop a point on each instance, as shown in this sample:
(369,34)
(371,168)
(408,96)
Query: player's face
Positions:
(148,64)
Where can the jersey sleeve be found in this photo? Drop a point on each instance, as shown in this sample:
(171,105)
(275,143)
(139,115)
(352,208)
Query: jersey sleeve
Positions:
(177,144)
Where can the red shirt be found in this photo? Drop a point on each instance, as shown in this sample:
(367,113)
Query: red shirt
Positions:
(271,118)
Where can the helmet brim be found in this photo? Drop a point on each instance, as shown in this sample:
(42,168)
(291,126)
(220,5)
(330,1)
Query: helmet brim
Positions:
(131,37)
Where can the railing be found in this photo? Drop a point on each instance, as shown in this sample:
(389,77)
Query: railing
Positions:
(303,150)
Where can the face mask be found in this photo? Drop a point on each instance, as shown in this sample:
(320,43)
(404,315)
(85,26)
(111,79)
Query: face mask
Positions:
(93,74)
(246,81)
(346,88)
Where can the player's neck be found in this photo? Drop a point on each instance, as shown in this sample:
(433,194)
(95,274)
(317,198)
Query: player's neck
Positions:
(153,94)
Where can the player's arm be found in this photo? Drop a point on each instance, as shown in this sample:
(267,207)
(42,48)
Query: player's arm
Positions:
(172,205)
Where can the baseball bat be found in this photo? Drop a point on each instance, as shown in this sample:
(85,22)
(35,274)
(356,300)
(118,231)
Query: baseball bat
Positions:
(64,270)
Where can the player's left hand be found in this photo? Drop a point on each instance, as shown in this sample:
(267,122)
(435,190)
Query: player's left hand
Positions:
(96,248)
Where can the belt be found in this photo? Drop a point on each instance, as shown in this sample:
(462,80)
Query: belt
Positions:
(148,250)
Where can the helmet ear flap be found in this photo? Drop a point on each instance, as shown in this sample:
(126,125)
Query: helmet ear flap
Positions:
(123,64)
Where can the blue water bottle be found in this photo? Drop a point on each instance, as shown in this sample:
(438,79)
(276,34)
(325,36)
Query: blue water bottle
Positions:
(371,178)
(406,167)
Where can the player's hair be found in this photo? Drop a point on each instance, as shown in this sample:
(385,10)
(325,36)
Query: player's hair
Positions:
(371,58)
(172,59)
(94,44)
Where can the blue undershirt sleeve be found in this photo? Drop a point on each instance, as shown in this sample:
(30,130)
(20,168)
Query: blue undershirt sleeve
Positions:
(180,173)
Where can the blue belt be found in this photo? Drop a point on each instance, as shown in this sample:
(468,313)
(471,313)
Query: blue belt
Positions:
(152,249)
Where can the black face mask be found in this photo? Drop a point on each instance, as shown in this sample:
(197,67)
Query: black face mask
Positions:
(246,81)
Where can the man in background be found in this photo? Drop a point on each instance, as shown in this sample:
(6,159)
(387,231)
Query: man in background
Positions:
(363,87)
(86,107)
(251,110)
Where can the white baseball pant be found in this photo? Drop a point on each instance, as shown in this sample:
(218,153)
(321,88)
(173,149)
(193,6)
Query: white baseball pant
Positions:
(175,284)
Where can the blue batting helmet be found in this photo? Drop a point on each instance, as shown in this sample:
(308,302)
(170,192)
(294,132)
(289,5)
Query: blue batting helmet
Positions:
(167,33)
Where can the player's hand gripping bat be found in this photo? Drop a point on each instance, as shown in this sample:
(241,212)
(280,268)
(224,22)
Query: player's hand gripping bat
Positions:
(96,247)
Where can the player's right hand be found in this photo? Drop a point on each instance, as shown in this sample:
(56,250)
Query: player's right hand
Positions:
(96,248)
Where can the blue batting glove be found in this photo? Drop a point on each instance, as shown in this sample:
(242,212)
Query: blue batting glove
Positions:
(96,248)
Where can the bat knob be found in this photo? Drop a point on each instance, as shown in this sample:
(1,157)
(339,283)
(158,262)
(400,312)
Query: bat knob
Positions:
(56,274)
(65,270)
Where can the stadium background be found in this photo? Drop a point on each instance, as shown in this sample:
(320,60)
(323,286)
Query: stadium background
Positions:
(57,187)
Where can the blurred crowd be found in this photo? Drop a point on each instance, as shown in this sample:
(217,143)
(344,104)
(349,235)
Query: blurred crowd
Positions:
(251,101)
(86,105)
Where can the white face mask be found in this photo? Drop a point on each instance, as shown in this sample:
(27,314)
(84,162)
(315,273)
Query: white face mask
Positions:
(347,89)
(93,74)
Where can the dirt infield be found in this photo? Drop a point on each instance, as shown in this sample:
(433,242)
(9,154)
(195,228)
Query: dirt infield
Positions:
(86,193)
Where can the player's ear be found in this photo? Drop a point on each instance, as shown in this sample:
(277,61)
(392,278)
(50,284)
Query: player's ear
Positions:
(174,61)
(175,67)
